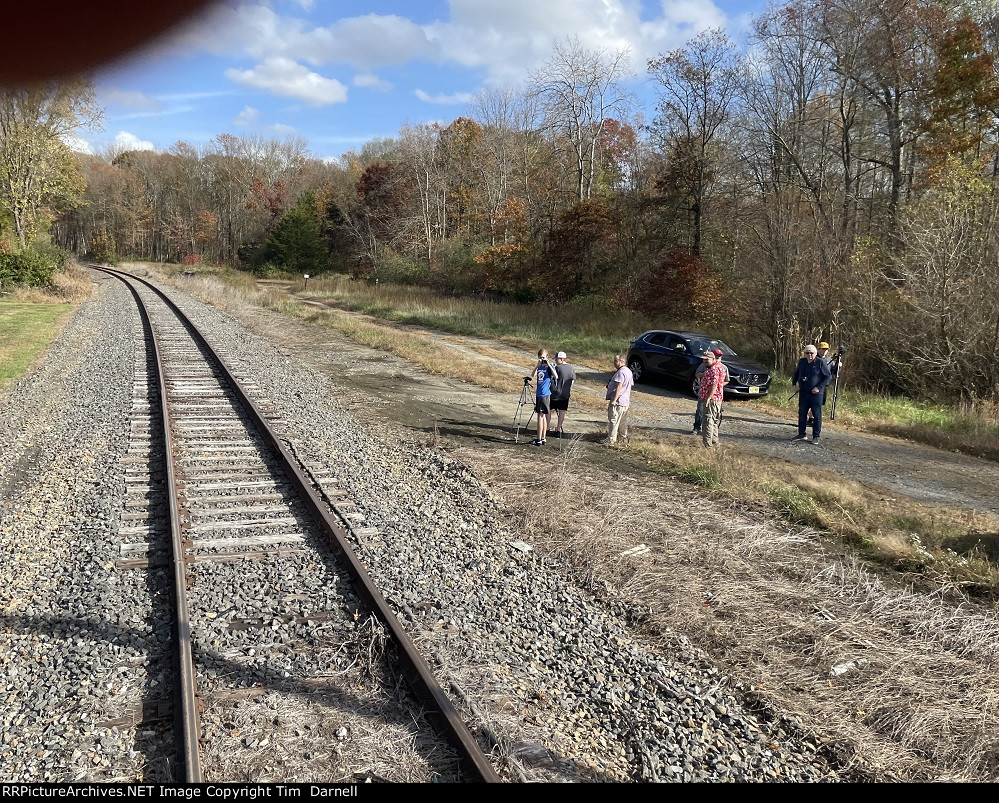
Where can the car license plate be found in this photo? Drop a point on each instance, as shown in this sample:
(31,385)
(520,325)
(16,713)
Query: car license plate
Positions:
(754,388)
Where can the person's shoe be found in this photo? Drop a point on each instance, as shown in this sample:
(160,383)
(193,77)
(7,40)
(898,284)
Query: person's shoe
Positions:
(697,430)
(558,433)
(815,441)
(798,438)
(544,441)
(537,442)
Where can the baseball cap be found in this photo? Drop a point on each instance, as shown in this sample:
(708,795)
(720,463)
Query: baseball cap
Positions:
(823,345)
(560,355)
(810,349)
(717,352)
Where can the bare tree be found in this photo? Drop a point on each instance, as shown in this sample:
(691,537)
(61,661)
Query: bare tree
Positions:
(698,88)
(579,90)
(884,47)
(800,126)
(939,323)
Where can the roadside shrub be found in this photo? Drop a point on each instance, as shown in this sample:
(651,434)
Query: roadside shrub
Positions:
(32,267)
(394,267)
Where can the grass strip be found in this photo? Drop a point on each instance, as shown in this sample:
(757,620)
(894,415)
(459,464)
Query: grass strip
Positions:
(26,331)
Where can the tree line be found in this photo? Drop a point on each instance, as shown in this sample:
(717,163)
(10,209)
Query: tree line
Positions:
(835,178)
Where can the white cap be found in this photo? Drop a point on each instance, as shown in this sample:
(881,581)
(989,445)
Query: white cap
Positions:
(560,355)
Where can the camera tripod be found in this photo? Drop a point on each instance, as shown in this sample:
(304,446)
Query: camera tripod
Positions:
(518,418)
(838,363)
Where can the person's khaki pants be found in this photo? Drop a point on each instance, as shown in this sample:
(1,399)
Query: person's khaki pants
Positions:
(617,417)
(712,418)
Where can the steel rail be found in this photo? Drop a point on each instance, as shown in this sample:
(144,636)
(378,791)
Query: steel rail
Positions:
(421,678)
(188,724)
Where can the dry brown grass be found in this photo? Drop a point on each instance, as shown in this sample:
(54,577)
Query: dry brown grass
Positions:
(71,284)
(916,699)
(919,541)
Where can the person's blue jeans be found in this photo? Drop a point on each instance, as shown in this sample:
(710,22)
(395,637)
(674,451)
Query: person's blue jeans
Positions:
(809,401)
(698,414)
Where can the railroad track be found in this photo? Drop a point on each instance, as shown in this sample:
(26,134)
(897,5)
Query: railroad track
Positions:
(270,603)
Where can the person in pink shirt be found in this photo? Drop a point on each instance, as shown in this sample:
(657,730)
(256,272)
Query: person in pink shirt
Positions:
(618,400)
(711,393)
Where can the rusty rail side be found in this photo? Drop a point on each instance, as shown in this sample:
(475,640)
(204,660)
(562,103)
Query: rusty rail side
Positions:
(188,724)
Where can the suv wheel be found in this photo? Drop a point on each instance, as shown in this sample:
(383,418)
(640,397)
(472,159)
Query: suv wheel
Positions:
(636,367)
(696,387)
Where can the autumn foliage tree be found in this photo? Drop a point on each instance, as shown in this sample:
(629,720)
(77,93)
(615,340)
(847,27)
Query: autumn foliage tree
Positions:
(680,288)
(938,318)
(38,171)
(581,250)
(963,97)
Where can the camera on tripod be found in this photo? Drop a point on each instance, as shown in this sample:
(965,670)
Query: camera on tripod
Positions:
(527,380)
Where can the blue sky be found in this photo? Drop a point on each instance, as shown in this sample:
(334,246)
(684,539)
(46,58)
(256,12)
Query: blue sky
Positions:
(339,73)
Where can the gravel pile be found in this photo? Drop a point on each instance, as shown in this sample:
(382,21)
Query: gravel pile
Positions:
(549,672)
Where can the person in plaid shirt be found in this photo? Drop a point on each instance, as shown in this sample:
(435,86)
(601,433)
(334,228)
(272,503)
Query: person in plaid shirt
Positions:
(712,383)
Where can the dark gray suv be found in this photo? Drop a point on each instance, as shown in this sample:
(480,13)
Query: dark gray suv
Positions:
(663,354)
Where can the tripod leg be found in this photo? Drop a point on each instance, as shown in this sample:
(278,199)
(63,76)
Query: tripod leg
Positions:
(518,417)
(832,411)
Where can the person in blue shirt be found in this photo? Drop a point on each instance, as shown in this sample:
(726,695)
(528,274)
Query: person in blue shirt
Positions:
(811,376)
(544,372)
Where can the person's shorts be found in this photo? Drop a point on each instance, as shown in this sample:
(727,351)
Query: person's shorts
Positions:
(542,405)
(560,404)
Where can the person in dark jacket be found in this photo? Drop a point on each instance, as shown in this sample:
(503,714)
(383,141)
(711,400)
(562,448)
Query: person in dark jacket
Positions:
(811,376)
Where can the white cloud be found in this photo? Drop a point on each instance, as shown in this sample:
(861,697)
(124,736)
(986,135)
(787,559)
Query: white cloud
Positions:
(248,116)
(125,141)
(453,99)
(507,38)
(259,32)
(502,38)
(284,130)
(282,76)
(77,143)
(244,29)
(371,81)
(175,110)
(372,40)
(129,98)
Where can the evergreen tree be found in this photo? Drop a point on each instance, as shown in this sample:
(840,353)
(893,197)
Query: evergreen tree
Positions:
(296,244)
